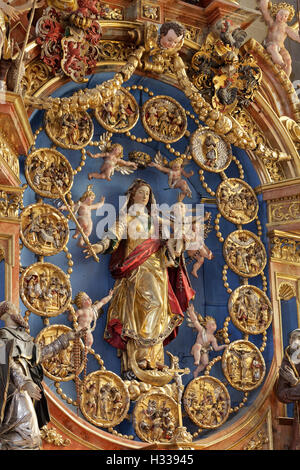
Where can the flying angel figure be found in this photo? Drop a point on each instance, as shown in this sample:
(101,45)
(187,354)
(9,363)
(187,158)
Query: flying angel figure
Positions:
(175,170)
(206,338)
(83,208)
(113,159)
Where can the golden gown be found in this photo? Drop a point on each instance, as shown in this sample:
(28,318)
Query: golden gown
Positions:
(141,304)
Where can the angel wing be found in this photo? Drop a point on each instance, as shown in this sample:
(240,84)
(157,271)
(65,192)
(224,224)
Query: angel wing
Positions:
(124,170)
(104,141)
(188,154)
(160,160)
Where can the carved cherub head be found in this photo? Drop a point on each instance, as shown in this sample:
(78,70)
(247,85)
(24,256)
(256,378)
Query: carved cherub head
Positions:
(176,163)
(171,34)
(88,195)
(82,300)
(282,11)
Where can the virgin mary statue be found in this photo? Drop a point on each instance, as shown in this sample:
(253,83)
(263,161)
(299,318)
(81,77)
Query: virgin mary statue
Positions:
(148,298)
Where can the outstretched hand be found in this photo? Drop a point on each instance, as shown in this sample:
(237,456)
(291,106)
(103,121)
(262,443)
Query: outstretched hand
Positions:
(97,249)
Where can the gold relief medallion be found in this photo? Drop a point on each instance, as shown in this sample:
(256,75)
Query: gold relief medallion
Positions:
(60,367)
(48,173)
(44,230)
(250,309)
(237,201)
(164,119)
(155,417)
(118,114)
(70,130)
(244,253)
(104,399)
(209,151)
(45,289)
(207,402)
(243,365)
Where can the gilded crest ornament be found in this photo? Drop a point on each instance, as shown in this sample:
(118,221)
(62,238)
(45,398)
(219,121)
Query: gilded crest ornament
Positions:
(48,173)
(210,151)
(250,309)
(207,402)
(60,367)
(155,417)
(104,399)
(45,289)
(164,119)
(119,113)
(226,78)
(237,201)
(44,230)
(243,365)
(69,130)
(244,253)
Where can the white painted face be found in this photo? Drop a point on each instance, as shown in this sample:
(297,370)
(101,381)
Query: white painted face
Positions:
(283,16)
(170,40)
(86,302)
(142,195)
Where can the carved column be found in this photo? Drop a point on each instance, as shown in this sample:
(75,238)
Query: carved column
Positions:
(15,139)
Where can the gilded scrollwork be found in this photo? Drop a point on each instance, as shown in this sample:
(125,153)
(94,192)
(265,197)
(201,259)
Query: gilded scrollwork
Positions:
(44,230)
(118,51)
(119,113)
(250,309)
(60,367)
(155,417)
(150,11)
(285,209)
(104,399)
(244,253)
(237,201)
(45,289)
(258,441)
(36,75)
(51,436)
(226,79)
(243,365)
(210,151)
(207,402)
(164,119)
(48,173)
